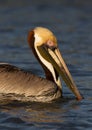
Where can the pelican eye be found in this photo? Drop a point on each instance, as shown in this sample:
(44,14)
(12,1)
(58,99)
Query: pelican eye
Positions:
(50,43)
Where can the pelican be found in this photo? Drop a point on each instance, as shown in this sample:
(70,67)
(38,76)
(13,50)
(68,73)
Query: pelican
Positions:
(15,81)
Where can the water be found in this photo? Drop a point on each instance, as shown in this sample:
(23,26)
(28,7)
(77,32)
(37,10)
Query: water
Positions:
(71,21)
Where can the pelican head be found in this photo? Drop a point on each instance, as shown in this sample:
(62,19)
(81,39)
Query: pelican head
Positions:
(44,46)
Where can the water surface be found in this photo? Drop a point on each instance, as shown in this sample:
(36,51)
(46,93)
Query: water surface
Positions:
(72,24)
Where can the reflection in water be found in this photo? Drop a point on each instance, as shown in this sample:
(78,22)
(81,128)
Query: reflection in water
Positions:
(39,112)
(61,114)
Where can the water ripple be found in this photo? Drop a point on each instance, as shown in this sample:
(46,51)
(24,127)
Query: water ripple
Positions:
(71,21)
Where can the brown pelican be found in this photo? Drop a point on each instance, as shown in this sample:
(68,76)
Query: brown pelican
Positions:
(15,81)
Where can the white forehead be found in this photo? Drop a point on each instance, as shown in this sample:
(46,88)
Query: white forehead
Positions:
(38,39)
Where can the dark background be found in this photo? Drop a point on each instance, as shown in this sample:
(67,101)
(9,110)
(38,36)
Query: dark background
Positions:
(71,22)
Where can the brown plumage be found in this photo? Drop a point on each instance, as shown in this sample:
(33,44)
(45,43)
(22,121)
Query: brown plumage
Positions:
(21,85)
(32,88)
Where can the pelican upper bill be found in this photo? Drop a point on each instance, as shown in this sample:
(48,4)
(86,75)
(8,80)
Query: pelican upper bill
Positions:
(15,81)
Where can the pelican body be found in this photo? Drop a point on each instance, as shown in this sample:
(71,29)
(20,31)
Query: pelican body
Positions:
(17,82)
